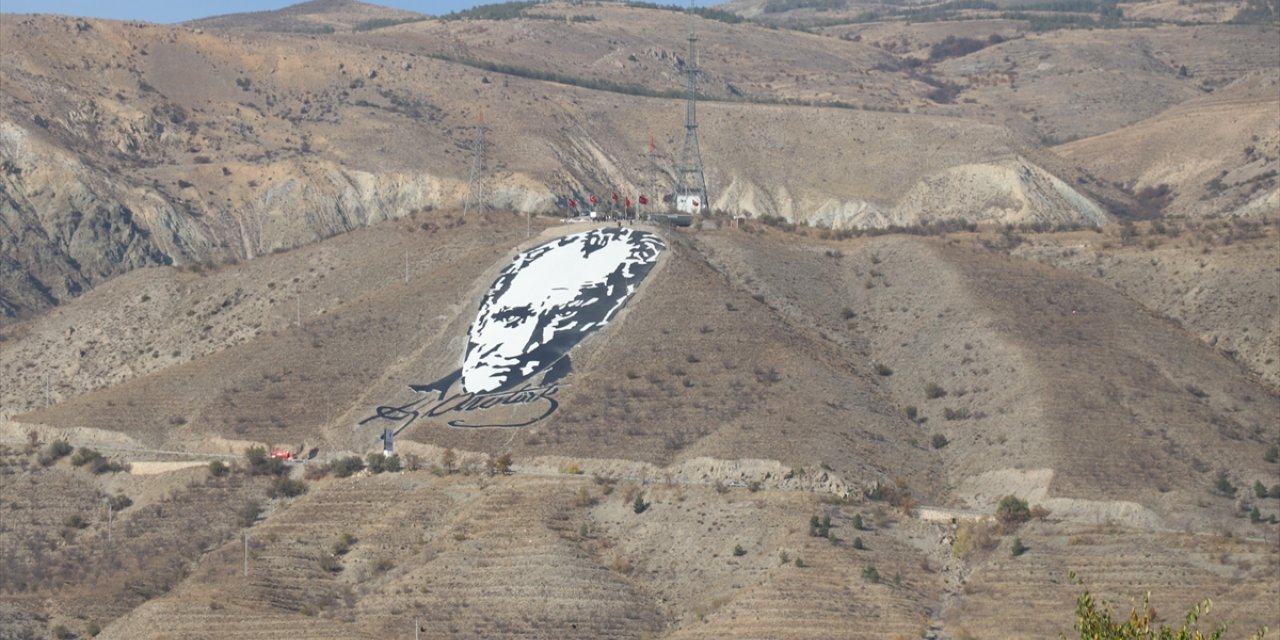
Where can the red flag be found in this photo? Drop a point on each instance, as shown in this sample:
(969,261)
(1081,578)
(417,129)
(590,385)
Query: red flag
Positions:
(615,197)
(593,199)
(644,200)
(695,203)
(628,205)
(573,204)
(652,147)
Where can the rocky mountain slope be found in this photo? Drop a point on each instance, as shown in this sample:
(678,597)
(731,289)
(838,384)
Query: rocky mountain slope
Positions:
(127,144)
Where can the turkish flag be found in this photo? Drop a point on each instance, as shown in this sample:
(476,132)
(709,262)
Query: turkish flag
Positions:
(644,200)
(573,204)
(593,198)
(628,202)
(615,197)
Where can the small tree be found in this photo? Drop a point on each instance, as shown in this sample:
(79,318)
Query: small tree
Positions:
(871,574)
(1272,455)
(738,550)
(857,544)
(1012,511)
(857,522)
(639,506)
(59,448)
(940,441)
(448,460)
(284,487)
(218,469)
(1017,548)
(1222,485)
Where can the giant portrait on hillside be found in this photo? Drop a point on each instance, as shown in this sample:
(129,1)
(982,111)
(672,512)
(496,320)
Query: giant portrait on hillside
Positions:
(540,306)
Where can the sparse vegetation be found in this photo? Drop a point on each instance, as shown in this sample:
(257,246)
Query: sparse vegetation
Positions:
(1094,621)
(218,469)
(344,467)
(284,487)
(95,462)
(933,391)
(261,464)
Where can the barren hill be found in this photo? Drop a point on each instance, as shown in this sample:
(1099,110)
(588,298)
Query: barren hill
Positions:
(755,372)
(908,305)
(1216,153)
(141,145)
(315,16)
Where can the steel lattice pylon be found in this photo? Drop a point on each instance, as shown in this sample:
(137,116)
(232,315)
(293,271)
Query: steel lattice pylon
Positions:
(691,183)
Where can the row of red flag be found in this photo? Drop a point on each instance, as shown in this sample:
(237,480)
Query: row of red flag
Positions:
(573,204)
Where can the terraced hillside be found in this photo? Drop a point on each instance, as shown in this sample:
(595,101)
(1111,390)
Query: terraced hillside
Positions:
(760,379)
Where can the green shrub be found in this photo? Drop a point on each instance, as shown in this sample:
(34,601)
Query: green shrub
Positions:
(912,412)
(59,448)
(344,544)
(249,513)
(261,464)
(284,487)
(871,574)
(739,551)
(1222,485)
(1260,489)
(1272,455)
(940,441)
(344,467)
(639,506)
(1013,510)
(119,502)
(1017,548)
(95,462)
(800,562)
(932,391)
(857,544)
(218,469)
(75,521)
(857,522)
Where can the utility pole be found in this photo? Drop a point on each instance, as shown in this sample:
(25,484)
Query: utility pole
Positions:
(108,503)
(417,630)
(48,399)
(406,267)
(246,554)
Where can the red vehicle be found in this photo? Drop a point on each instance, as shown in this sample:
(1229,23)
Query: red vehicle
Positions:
(281,454)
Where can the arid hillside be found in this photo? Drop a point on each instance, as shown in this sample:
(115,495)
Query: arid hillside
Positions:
(988,295)
(759,377)
(129,145)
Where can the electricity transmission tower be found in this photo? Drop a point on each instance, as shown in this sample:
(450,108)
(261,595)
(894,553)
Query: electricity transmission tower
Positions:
(691,184)
(475,184)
